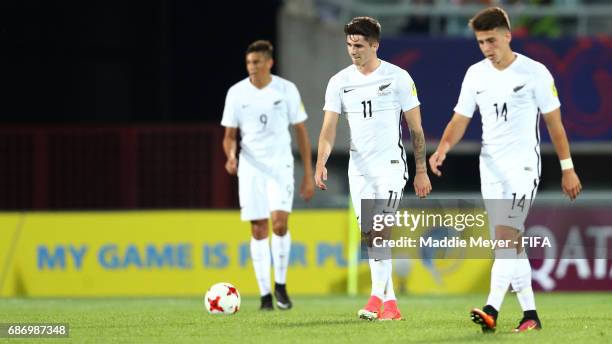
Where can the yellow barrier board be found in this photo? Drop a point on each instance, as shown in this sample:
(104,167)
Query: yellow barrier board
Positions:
(174,253)
(11,226)
(421,269)
(163,253)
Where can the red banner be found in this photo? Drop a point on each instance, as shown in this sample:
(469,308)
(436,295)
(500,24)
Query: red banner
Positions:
(579,251)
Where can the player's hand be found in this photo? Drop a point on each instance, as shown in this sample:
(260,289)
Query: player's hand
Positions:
(320,177)
(435,161)
(422,185)
(231,166)
(570,183)
(307,188)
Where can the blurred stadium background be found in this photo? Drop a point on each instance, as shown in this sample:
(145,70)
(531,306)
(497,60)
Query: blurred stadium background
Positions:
(111,168)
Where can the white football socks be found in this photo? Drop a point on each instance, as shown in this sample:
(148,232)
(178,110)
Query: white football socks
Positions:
(389,291)
(260,255)
(379,269)
(503,270)
(281,247)
(521,283)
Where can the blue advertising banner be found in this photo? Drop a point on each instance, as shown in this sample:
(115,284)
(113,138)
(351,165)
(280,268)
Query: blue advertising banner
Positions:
(582,68)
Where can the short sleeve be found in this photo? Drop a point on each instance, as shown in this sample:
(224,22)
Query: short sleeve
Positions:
(230,118)
(297,113)
(546,96)
(466,105)
(333,101)
(406,91)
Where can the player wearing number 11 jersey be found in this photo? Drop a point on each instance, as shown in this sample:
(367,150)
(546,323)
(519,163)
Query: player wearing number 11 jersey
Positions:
(373,95)
(511,91)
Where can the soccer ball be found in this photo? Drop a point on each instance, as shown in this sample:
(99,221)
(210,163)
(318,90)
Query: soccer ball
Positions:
(222,298)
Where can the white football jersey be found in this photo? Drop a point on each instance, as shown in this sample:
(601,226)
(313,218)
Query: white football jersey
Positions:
(263,117)
(510,103)
(373,105)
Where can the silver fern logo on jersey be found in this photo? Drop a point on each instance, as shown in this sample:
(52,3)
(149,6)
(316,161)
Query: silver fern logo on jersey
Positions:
(382,88)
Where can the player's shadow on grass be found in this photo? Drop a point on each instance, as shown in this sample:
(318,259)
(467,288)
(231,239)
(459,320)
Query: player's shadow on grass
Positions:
(476,337)
(312,323)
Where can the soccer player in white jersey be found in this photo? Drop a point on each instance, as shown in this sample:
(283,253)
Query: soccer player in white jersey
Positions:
(262,107)
(373,95)
(511,91)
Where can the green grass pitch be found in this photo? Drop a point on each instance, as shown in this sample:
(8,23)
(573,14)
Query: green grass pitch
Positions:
(567,318)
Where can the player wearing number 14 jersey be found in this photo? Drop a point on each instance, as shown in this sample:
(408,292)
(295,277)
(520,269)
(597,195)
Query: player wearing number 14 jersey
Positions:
(510,91)
(373,95)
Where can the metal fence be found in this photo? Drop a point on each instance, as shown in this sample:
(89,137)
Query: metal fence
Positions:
(113,167)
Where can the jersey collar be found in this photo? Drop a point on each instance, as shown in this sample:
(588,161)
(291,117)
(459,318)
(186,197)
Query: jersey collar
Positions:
(510,66)
(374,72)
(272,77)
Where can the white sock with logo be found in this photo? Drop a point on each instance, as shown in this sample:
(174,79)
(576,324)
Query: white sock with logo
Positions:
(281,247)
(260,255)
(502,272)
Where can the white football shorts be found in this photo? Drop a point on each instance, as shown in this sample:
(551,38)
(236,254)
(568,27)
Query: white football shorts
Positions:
(389,188)
(508,202)
(261,194)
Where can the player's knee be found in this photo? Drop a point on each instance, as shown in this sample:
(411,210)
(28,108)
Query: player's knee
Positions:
(279,227)
(259,234)
(506,233)
(259,229)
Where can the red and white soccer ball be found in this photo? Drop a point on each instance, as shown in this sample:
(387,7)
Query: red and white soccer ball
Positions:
(222,298)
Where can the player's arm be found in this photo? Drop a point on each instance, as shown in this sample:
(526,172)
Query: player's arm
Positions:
(455,129)
(229,147)
(326,143)
(422,185)
(307,186)
(570,183)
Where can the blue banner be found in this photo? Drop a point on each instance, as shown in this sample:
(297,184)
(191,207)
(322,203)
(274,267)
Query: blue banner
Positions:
(582,69)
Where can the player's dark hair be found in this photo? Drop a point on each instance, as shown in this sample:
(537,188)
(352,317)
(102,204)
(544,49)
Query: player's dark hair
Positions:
(261,46)
(367,27)
(490,19)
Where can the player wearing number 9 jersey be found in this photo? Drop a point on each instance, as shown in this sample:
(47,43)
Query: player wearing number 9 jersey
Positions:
(373,95)
(262,107)
(510,91)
